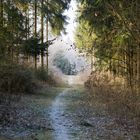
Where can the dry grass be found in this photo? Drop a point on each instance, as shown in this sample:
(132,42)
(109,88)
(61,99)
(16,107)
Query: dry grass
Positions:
(16,79)
(120,102)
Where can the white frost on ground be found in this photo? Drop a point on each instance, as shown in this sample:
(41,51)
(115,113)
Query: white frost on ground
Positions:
(58,120)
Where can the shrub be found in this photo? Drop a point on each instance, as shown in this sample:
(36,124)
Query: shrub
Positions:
(16,78)
(42,75)
(99,79)
(119,101)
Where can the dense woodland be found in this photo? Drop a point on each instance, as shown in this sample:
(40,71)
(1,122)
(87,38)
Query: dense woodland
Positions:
(24,27)
(107,34)
(24,40)
(109,31)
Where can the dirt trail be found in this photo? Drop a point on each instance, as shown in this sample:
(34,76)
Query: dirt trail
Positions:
(76,116)
(58,119)
(65,114)
(62,119)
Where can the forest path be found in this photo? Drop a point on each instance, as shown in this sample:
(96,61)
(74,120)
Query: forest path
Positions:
(77,115)
(69,113)
(62,115)
(57,115)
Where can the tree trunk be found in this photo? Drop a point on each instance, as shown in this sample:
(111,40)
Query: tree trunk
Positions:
(138,69)
(35,61)
(1,12)
(47,38)
(91,57)
(35,33)
(42,33)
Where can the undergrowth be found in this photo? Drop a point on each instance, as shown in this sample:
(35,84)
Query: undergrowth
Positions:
(120,101)
(15,81)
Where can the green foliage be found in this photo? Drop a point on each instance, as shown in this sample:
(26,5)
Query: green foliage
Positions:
(32,46)
(17,37)
(116,26)
(53,10)
(41,74)
(15,25)
(16,79)
(64,64)
(85,37)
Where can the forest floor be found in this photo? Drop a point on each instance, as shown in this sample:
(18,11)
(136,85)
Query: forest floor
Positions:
(65,114)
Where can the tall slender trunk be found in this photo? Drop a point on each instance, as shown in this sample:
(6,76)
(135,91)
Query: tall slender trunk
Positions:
(129,63)
(125,69)
(12,29)
(28,27)
(47,38)
(91,57)
(12,48)
(131,66)
(118,64)
(1,12)
(27,33)
(135,68)
(138,68)
(35,18)
(42,33)
(35,32)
